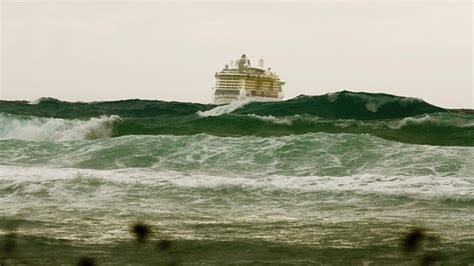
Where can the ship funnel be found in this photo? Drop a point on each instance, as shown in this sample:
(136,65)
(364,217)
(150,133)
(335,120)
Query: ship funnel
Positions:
(261,63)
(243,62)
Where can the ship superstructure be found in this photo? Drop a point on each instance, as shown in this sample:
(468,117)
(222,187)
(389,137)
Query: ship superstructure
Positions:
(241,81)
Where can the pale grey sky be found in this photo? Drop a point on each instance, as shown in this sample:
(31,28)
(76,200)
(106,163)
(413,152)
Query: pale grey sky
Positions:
(89,51)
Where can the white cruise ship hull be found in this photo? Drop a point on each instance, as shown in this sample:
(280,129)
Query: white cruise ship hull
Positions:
(242,82)
(227,99)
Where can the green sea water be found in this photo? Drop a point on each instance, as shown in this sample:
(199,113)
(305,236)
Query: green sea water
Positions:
(337,179)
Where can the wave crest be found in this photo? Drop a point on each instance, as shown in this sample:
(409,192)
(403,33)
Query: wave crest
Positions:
(41,128)
(45,100)
(345,105)
(224,109)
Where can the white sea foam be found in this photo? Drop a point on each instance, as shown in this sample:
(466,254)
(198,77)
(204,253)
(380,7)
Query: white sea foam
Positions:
(373,106)
(434,119)
(287,120)
(42,128)
(224,109)
(96,205)
(333,96)
(312,154)
(67,184)
(374,103)
(425,187)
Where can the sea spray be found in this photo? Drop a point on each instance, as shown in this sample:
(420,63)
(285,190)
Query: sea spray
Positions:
(41,128)
(224,109)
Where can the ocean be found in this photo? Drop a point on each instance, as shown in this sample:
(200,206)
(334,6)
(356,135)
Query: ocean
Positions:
(338,179)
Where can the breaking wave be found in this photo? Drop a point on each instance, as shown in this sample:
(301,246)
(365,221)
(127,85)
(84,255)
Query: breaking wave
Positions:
(41,128)
(224,109)
(345,105)
(390,117)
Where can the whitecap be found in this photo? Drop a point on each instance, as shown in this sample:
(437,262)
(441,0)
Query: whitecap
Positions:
(43,128)
(224,109)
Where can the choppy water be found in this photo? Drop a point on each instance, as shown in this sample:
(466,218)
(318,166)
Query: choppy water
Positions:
(333,179)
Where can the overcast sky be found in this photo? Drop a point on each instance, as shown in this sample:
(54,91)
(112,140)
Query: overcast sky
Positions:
(86,51)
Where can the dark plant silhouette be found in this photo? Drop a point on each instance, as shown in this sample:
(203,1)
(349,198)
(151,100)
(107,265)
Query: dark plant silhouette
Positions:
(141,231)
(411,242)
(86,261)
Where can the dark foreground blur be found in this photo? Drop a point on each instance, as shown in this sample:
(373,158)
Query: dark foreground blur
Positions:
(417,247)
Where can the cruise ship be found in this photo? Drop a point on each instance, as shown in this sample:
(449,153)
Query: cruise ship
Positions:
(241,81)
